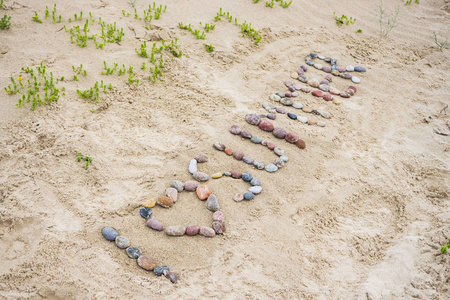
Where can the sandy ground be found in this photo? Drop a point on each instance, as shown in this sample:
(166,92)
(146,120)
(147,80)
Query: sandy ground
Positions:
(361,213)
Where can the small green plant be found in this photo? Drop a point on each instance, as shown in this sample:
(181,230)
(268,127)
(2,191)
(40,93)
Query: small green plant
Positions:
(408,2)
(386,27)
(209,48)
(441,45)
(87,159)
(1,3)
(36,18)
(444,248)
(359,30)
(143,51)
(270,4)
(285,4)
(343,19)
(5,22)
(255,1)
(79,156)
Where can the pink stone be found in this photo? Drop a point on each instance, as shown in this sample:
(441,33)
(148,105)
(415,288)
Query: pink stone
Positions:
(234,129)
(190,185)
(154,224)
(317,93)
(327,97)
(192,230)
(326,69)
(341,69)
(279,132)
(207,231)
(218,216)
(266,126)
(236,174)
(291,138)
(238,155)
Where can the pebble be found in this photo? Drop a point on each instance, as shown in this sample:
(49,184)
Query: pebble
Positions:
(192,166)
(207,231)
(146,262)
(321,57)
(324,87)
(236,174)
(304,68)
(351,92)
(122,242)
(279,163)
(324,81)
(360,69)
(321,124)
(149,203)
(200,176)
(286,101)
(218,216)
(297,105)
(252,119)
(216,175)
(352,88)
(178,185)
(346,75)
(171,276)
(256,140)
(317,93)
(201,158)
(356,79)
(265,104)
(284,158)
(327,97)
(326,69)
(212,204)
(294,94)
(266,126)
(334,72)
(329,78)
(271,145)
(275,97)
(192,230)
(271,168)
(300,71)
(218,227)
(165,202)
(288,83)
(325,114)
(159,270)
(238,197)
(303,78)
(133,252)
(337,101)
(272,116)
(219,146)
(294,75)
(249,196)
(315,112)
(349,68)
(302,119)
(307,109)
(176,230)
(234,129)
(327,59)
(172,193)
(190,185)
(334,91)
(258,164)
(344,95)
(281,110)
(247,160)
(255,189)
(318,66)
(279,132)
(146,212)
(287,94)
(313,55)
(291,138)
(310,63)
(228,151)
(255,182)
(312,121)
(238,155)
(292,116)
(301,144)
(247,177)
(278,151)
(314,82)
(228,174)
(280,94)
(340,69)
(203,192)
(154,224)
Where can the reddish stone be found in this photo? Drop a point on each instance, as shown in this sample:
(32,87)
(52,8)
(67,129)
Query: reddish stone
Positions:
(234,129)
(279,132)
(327,97)
(352,88)
(238,155)
(236,174)
(190,185)
(219,227)
(146,262)
(201,158)
(301,144)
(228,151)
(317,93)
(203,192)
(207,231)
(218,216)
(341,69)
(326,69)
(246,134)
(271,145)
(154,224)
(291,138)
(329,78)
(350,92)
(192,230)
(266,126)
(288,94)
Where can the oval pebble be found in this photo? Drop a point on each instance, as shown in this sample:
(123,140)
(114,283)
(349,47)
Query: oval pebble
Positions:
(238,197)
(190,185)
(294,75)
(281,110)
(165,202)
(236,174)
(149,203)
(255,190)
(216,175)
(234,129)
(310,63)
(306,89)
(247,160)
(294,94)
(317,93)
(218,227)
(201,158)
(122,242)
(146,262)
(341,69)
(145,212)
(325,114)
(219,146)
(246,134)
(352,88)
(291,138)
(314,82)
(192,166)
(302,119)
(255,182)
(258,164)
(324,87)
(360,69)
(326,69)
(200,176)
(297,105)
(286,101)
(176,230)
(278,151)
(133,252)
(171,276)
(346,75)
(321,124)
(247,176)
(271,116)
(207,231)
(292,116)
(256,140)
(154,224)
(334,71)
(271,168)
(266,126)
(271,145)
(284,158)
(356,79)
(110,233)
(318,66)
(238,155)
(192,230)
(228,174)
(328,97)
(303,78)
(279,132)
(312,121)
(288,83)
(279,163)
(349,68)
(344,95)
(252,119)
(307,109)
(248,196)
(159,270)
(178,185)
(203,192)
(301,144)
(304,68)
(337,101)
(334,91)
(275,97)
(218,216)
(212,204)
(172,194)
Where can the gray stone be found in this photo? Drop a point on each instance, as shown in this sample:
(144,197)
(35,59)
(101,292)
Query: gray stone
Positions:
(178,185)
(255,182)
(193,166)
(255,189)
(122,242)
(271,168)
(133,252)
(212,203)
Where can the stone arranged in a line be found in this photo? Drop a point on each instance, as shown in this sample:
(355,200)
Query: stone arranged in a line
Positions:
(146,262)
(302,119)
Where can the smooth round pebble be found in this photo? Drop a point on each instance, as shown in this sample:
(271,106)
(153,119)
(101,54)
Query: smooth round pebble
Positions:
(133,252)
(218,216)
(304,68)
(334,91)
(318,66)
(281,110)
(279,132)
(178,185)
(284,158)
(159,270)
(247,160)
(301,144)
(218,227)
(292,116)
(171,276)
(154,224)
(192,230)
(352,88)
(275,97)
(234,129)
(291,138)
(176,230)
(360,69)
(110,233)
(271,145)
(216,175)
(324,87)
(294,94)
(249,196)
(236,174)
(238,197)
(149,203)
(326,69)
(252,119)
(302,119)
(255,182)
(207,231)
(212,204)
(256,140)
(145,212)
(146,262)
(271,116)
(247,176)
(349,68)
(122,242)
(341,69)
(219,146)
(328,97)
(321,124)
(294,75)
(303,78)
(297,105)
(307,109)
(190,185)
(337,101)
(172,193)
(200,176)
(228,174)
(279,163)
(314,82)
(258,164)
(238,155)
(255,189)
(325,114)
(271,168)
(278,151)
(246,134)
(312,121)
(317,93)
(266,126)
(286,101)
(356,79)
(201,158)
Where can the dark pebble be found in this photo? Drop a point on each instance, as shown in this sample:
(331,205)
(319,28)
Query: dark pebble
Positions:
(315,112)
(288,94)
(249,196)
(310,63)
(247,176)
(133,252)
(292,116)
(313,55)
(247,160)
(145,212)
(171,276)
(360,69)
(219,227)
(159,270)
(304,68)
(246,134)
(271,116)
(110,233)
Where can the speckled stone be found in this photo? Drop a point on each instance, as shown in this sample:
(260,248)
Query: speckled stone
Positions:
(146,212)
(301,144)
(247,160)
(334,72)
(328,97)
(292,116)
(281,110)
(155,225)
(172,193)
(110,233)
(271,168)
(218,227)
(302,119)
(303,78)
(176,230)
(238,155)
(313,82)
(291,138)
(324,87)
(133,252)
(325,114)
(284,158)
(255,182)
(236,174)
(192,230)
(271,116)
(190,185)
(238,197)
(279,132)
(247,176)
(346,75)
(165,202)
(275,97)
(356,79)
(219,146)
(201,158)
(360,69)
(146,262)
(315,112)
(258,164)
(234,129)
(207,231)
(252,119)
(218,216)
(248,196)
(344,95)
(192,166)
(159,270)
(122,242)
(271,145)
(178,185)
(286,101)
(171,276)
(203,192)
(200,176)
(329,78)
(256,140)
(266,126)
(278,151)
(280,94)
(297,105)
(212,204)
(149,203)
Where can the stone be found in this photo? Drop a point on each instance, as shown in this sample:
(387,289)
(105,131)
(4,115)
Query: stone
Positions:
(278,151)
(146,262)
(200,176)
(307,109)
(159,270)
(271,168)
(219,146)
(216,175)
(318,66)
(360,69)
(265,104)
(356,79)
(324,87)
(192,166)
(234,129)
(324,81)
(192,230)
(334,91)
(190,185)
(312,121)
(236,174)
(212,204)
(321,57)
(228,174)
(310,63)
(297,105)
(218,227)
(300,71)
(280,94)
(146,212)
(165,202)
(352,88)
(303,78)
(334,72)
(258,164)
(291,138)
(328,97)
(304,68)
(294,94)
(171,276)
(248,196)
(228,151)
(288,83)
(341,69)
(287,94)
(266,126)
(350,92)
(133,252)
(281,110)
(207,231)
(178,185)
(176,230)
(172,194)
(321,124)
(337,101)
(344,95)
(301,144)
(326,69)
(349,68)
(286,101)
(238,155)
(294,75)
(292,116)
(247,177)
(264,143)
(252,119)
(256,140)
(314,82)
(238,197)
(317,93)
(279,163)
(255,190)
(275,97)
(272,116)
(313,55)
(325,114)
(279,132)
(203,192)
(346,75)
(271,145)
(302,119)
(149,203)
(329,78)
(218,216)
(201,158)
(154,224)
(292,89)
(327,59)
(315,112)
(284,158)
(122,242)
(247,160)
(255,182)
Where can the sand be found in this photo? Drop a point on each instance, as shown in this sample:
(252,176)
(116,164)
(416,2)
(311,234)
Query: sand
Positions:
(361,213)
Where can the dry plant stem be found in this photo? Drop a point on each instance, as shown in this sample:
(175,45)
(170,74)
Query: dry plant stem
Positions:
(385,29)
(441,45)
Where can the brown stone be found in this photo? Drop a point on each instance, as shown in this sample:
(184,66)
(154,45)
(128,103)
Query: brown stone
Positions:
(307,109)
(327,97)
(301,144)
(317,93)
(291,138)
(203,192)
(165,201)
(228,151)
(146,262)
(266,126)
(190,185)
(201,158)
